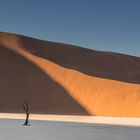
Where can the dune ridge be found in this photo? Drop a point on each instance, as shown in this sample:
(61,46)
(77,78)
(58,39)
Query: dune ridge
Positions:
(97,83)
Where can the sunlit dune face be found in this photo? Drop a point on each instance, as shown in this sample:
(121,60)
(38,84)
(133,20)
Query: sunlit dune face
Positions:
(13,41)
(102,97)
(97,96)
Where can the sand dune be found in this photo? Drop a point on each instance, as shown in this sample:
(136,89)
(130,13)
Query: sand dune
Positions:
(63,79)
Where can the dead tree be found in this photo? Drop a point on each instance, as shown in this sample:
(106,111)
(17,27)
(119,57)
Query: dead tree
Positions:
(26,109)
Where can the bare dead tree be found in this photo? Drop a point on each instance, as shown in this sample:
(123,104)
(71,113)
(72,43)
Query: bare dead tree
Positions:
(26,109)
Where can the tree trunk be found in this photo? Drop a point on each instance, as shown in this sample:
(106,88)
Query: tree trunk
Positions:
(27,119)
(26,109)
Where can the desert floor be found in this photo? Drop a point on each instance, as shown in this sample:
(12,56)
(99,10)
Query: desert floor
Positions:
(53,127)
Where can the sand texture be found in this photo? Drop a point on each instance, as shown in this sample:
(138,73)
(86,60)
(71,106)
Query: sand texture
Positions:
(57,78)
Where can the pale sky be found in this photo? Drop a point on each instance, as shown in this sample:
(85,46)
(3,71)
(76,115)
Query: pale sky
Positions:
(107,25)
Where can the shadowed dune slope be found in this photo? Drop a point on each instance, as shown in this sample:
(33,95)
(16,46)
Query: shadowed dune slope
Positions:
(21,81)
(90,62)
(64,79)
(106,65)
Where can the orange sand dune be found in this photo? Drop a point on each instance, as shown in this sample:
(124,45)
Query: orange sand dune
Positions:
(63,79)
